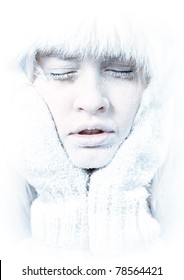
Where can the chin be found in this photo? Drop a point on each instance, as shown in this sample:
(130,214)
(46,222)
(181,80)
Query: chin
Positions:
(91,158)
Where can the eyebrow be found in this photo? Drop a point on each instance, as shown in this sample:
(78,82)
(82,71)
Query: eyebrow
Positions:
(103,58)
(122,59)
(58,54)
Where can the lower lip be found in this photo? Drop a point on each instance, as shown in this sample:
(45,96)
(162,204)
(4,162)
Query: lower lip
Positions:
(92,140)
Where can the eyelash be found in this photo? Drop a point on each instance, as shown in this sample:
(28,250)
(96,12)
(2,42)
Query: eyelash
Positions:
(70,75)
(121,74)
(61,76)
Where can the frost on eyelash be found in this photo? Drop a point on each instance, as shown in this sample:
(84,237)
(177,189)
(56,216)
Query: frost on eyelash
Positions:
(125,75)
(122,74)
(60,76)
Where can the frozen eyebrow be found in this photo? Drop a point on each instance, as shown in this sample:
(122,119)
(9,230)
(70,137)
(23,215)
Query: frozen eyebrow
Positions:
(56,60)
(121,60)
(58,54)
(65,57)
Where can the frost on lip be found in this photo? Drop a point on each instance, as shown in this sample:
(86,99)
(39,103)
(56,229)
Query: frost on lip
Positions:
(90,131)
(92,137)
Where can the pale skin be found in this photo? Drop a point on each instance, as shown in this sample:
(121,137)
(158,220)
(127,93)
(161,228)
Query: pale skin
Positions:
(93,102)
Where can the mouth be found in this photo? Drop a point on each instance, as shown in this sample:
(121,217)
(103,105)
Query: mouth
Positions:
(91,132)
(92,136)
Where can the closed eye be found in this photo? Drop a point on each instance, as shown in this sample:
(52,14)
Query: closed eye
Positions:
(61,76)
(123,74)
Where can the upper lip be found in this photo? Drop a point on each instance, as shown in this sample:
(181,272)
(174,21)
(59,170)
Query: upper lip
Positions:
(100,127)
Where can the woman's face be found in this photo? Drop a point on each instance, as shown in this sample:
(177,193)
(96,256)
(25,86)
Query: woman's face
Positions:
(93,103)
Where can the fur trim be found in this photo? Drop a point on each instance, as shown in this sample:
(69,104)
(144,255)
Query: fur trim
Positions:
(115,35)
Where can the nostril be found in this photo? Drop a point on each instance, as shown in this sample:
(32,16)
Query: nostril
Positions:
(93,105)
(92,110)
(101,109)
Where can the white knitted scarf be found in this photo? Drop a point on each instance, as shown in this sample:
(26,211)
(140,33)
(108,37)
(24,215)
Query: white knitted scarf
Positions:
(106,212)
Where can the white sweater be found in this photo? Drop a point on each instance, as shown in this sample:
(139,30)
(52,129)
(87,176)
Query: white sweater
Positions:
(113,216)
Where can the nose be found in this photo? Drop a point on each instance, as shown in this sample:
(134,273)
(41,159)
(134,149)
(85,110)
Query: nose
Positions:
(92,99)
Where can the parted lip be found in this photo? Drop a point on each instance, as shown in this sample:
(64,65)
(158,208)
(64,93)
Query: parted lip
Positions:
(90,135)
(92,129)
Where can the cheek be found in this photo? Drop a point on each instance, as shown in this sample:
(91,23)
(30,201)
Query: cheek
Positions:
(125,103)
(57,99)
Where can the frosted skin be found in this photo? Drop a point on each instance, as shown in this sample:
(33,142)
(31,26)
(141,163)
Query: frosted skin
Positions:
(90,94)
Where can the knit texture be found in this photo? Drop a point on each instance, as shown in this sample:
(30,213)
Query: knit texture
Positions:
(113,217)
(59,214)
(119,216)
